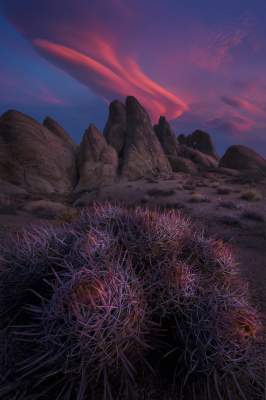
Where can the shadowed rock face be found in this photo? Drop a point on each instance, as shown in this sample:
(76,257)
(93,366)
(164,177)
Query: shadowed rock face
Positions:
(115,128)
(37,158)
(97,161)
(54,127)
(199,140)
(167,138)
(243,158)
(33,157)
(181,157)
(201,160)
(143,154)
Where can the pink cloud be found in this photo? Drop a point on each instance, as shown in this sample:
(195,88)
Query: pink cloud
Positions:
(243,104)
(234,124)
(110,75)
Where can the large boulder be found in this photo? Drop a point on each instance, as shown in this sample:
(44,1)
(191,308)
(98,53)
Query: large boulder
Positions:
(97,161)
(243,158)
(199,140)
(54,127)
(116,126)
(182,164)
(181,157)
(48,209)
(33,157)
(172,149)
(11,189)
(143,154)
(201,160)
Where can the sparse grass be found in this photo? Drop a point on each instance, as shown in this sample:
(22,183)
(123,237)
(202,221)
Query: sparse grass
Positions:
(68,215)
(199,198)
(251,195)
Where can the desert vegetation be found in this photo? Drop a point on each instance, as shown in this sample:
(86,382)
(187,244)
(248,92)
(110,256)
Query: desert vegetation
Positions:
(123,301)
(197,197)
(251,195)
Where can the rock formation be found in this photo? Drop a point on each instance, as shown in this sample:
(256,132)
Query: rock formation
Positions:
(33,157)
(42,158)
(201,141)
(168,142)
(181,157)
(54,127)
(201,160)
(143,154)
(115,128)
(97,161)
(243,158)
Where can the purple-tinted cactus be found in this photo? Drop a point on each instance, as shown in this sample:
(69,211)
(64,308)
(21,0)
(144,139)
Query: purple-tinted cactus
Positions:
(121,300)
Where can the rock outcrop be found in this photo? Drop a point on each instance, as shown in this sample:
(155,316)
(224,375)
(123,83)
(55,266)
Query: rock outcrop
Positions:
(33,157)
(143,154)
(201,160)
(168,141)
(54,127)
(97,161)
(181,157)
(43,159)
(116,126)
(199,140)
(243,158)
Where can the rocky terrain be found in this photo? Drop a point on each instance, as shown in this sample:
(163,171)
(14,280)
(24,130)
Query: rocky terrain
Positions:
(44,176)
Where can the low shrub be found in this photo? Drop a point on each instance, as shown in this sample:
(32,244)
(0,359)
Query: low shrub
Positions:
(251,195)
(198,198)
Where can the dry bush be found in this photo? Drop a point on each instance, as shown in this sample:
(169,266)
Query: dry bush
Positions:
(68,215)
(251,195)
(198,198)
(121,303)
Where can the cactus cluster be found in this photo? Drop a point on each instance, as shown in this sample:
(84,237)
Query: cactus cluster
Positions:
(125,303)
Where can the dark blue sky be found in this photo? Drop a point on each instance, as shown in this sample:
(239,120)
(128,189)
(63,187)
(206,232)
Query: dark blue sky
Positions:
(200,63)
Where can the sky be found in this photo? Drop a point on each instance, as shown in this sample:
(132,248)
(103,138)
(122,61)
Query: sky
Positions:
(202,64)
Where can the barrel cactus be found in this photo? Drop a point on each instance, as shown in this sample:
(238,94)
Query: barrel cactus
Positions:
(125,303)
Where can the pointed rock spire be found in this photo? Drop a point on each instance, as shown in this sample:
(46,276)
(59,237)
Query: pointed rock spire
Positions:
(115,128)
(143,154)
(97,161)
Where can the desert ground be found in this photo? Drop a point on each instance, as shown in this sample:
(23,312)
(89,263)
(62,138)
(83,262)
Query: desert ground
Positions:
(223,206)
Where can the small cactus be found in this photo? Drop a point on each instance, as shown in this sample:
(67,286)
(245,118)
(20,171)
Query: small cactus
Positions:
(124,302)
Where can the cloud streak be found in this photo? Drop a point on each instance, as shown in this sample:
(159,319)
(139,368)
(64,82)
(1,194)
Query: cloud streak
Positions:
(110,76)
